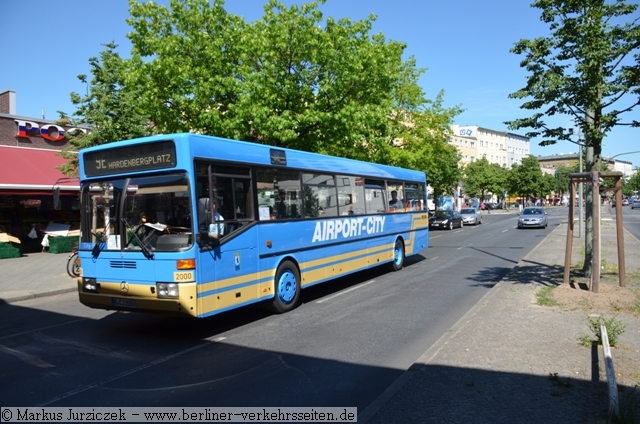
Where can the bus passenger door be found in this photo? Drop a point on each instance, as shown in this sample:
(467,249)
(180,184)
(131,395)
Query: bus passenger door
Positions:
(229,273)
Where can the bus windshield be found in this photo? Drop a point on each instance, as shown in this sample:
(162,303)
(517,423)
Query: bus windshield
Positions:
(135,213)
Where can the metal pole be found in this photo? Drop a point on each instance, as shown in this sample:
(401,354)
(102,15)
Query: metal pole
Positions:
(580,197)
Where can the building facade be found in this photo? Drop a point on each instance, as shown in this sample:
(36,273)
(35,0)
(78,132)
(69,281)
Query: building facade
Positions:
(501,147)
(550,163)
(29,176)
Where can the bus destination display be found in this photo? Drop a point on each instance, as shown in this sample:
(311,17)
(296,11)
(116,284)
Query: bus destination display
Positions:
(141,157)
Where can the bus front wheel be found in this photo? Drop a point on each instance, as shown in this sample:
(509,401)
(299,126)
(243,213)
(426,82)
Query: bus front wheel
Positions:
(287,288)
(398,255)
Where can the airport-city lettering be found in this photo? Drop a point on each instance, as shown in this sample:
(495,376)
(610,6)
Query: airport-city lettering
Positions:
(50,132)
(348,227)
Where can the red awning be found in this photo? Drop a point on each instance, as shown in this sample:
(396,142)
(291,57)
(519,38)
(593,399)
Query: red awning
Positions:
(23,168)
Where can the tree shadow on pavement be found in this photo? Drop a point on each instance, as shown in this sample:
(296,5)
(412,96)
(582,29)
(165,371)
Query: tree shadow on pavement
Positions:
(527,272)
(530,272)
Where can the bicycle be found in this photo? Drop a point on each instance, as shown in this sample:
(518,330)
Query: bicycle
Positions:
(73,264)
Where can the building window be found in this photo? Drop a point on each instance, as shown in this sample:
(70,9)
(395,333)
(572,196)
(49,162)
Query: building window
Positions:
(473,144)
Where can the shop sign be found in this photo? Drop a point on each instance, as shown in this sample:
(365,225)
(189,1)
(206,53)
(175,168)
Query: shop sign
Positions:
(50,132)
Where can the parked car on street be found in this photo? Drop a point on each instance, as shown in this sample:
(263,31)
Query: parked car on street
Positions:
(448,219)
(533,216)
(625,202)
(635,204)
(471,216)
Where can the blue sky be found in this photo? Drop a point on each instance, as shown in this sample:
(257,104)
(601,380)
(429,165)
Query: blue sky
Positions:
(463,44)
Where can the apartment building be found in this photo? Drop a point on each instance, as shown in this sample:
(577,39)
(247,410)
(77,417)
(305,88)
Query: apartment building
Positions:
(550,163)
(501,147)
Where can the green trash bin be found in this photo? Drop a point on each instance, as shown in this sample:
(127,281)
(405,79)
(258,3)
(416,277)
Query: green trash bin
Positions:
(62,244)
(8,250)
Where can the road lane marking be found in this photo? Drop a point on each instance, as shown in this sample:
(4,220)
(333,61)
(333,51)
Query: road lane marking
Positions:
(462,247)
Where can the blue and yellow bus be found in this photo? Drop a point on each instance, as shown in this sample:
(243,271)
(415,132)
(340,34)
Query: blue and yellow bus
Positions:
(195,225)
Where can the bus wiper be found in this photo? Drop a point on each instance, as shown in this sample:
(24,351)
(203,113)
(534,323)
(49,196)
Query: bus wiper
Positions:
(146,250)
(97,247)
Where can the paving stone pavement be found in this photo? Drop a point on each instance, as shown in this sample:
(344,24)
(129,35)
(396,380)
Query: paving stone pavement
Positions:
(34,275)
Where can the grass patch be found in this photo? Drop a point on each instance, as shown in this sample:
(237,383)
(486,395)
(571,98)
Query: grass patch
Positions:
(614,327)
(608,267)
(545,297)
(585,340)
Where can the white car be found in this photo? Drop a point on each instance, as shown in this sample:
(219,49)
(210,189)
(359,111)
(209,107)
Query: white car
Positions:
(471,216)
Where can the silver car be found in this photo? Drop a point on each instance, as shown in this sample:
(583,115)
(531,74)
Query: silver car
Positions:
(471,216)
(533,216)
(635,204)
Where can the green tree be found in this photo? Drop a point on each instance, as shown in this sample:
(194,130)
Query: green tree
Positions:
(634,182)
(588,68)
(562,185)
(547,186)
(482,177)
(109,107)
(420,140)
(498,181)
(445,173)
(525,178)
(477,177)
(290,79)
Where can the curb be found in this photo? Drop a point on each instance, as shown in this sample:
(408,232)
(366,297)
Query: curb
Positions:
(614,405)
(35,295)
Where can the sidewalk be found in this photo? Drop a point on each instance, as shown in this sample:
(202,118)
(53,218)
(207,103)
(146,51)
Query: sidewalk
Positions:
(34,275)
(509,360)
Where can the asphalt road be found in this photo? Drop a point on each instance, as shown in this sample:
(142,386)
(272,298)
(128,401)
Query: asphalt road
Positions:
(344,346)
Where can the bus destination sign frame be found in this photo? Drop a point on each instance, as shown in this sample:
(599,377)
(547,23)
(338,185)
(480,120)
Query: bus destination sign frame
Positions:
(141,157)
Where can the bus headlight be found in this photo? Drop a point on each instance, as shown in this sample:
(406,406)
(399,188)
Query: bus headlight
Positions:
(89,285)
(168,290)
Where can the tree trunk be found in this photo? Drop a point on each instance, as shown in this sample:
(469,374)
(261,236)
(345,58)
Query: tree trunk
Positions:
(594,163)
(588,228)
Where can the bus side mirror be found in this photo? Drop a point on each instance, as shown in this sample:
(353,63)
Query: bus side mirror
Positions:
(204,213)
(205,242)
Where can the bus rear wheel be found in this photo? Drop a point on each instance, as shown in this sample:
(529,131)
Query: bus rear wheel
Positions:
(287,288)
(398,255)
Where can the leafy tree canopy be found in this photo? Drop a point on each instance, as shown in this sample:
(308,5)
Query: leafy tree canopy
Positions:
(291,79)
(525,179)
(587,68)
(110,108)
